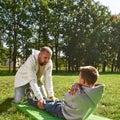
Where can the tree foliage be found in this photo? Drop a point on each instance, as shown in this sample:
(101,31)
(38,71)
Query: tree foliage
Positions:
(79,32)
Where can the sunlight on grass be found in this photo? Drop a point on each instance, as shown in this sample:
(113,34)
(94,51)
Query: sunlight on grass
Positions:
(109,106)
(110,103)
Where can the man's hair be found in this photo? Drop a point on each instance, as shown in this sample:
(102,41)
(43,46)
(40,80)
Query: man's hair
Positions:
(47,49)
(89,73)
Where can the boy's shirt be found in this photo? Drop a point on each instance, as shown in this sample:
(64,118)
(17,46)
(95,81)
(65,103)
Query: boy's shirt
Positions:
(81,105)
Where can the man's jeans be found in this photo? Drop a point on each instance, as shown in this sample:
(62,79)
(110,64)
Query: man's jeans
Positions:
(53,108)
(20,92)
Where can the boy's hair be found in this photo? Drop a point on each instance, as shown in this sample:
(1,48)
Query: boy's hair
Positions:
(89,73)
(47,49)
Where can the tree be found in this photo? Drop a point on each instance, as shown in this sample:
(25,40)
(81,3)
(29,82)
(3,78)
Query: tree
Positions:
(115,45)
(13,19)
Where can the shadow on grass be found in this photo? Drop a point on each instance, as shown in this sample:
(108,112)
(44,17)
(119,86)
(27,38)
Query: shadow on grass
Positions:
(65,73)
(108,73)
(6,73)
(60,72)
(5,105)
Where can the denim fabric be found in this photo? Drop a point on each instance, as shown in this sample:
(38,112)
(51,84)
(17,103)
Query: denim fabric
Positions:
(19,93)
(33,102)
(53,108)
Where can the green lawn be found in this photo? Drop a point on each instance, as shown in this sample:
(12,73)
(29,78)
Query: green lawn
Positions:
(108,107)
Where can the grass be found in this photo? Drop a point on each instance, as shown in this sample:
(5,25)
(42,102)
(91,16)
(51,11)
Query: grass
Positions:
(109,106)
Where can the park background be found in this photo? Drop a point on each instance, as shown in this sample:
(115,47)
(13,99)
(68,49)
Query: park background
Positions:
(79,33)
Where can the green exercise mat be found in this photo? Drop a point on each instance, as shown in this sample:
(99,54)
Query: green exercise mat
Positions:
(37,114)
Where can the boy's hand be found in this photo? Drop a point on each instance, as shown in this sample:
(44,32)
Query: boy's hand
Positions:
(41,103)
(74,88)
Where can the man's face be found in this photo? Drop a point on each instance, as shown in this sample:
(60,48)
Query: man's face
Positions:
(44,58)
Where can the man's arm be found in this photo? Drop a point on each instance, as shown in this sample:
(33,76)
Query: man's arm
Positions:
(31,73)
(36,90)
(37,93)
(49,82)
(48,79)
(36,103)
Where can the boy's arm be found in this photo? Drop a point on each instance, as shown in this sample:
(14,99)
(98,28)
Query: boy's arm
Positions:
(75,87)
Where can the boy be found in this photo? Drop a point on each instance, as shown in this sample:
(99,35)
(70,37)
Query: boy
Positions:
(80,101)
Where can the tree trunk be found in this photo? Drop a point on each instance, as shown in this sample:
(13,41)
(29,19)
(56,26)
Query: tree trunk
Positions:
(112,66)
(68,64)
(118,61)
(10,51)
(56,53)
(104,66)
(14,47)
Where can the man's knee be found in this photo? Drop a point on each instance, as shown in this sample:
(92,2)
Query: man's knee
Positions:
(18,99)
(19,94)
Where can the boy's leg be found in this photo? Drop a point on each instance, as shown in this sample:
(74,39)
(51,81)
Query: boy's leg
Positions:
(54,108)
(19,94)
(33,102)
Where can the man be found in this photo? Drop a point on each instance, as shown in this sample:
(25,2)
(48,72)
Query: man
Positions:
(80,101)
(31,73)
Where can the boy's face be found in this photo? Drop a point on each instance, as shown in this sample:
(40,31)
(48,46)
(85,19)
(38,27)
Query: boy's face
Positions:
(44,58)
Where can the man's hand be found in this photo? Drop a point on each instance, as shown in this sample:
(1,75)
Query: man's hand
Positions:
(74,88)
(41,103)
(53,98)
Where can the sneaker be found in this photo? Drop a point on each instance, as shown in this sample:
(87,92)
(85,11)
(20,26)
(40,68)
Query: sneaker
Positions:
(29,93)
